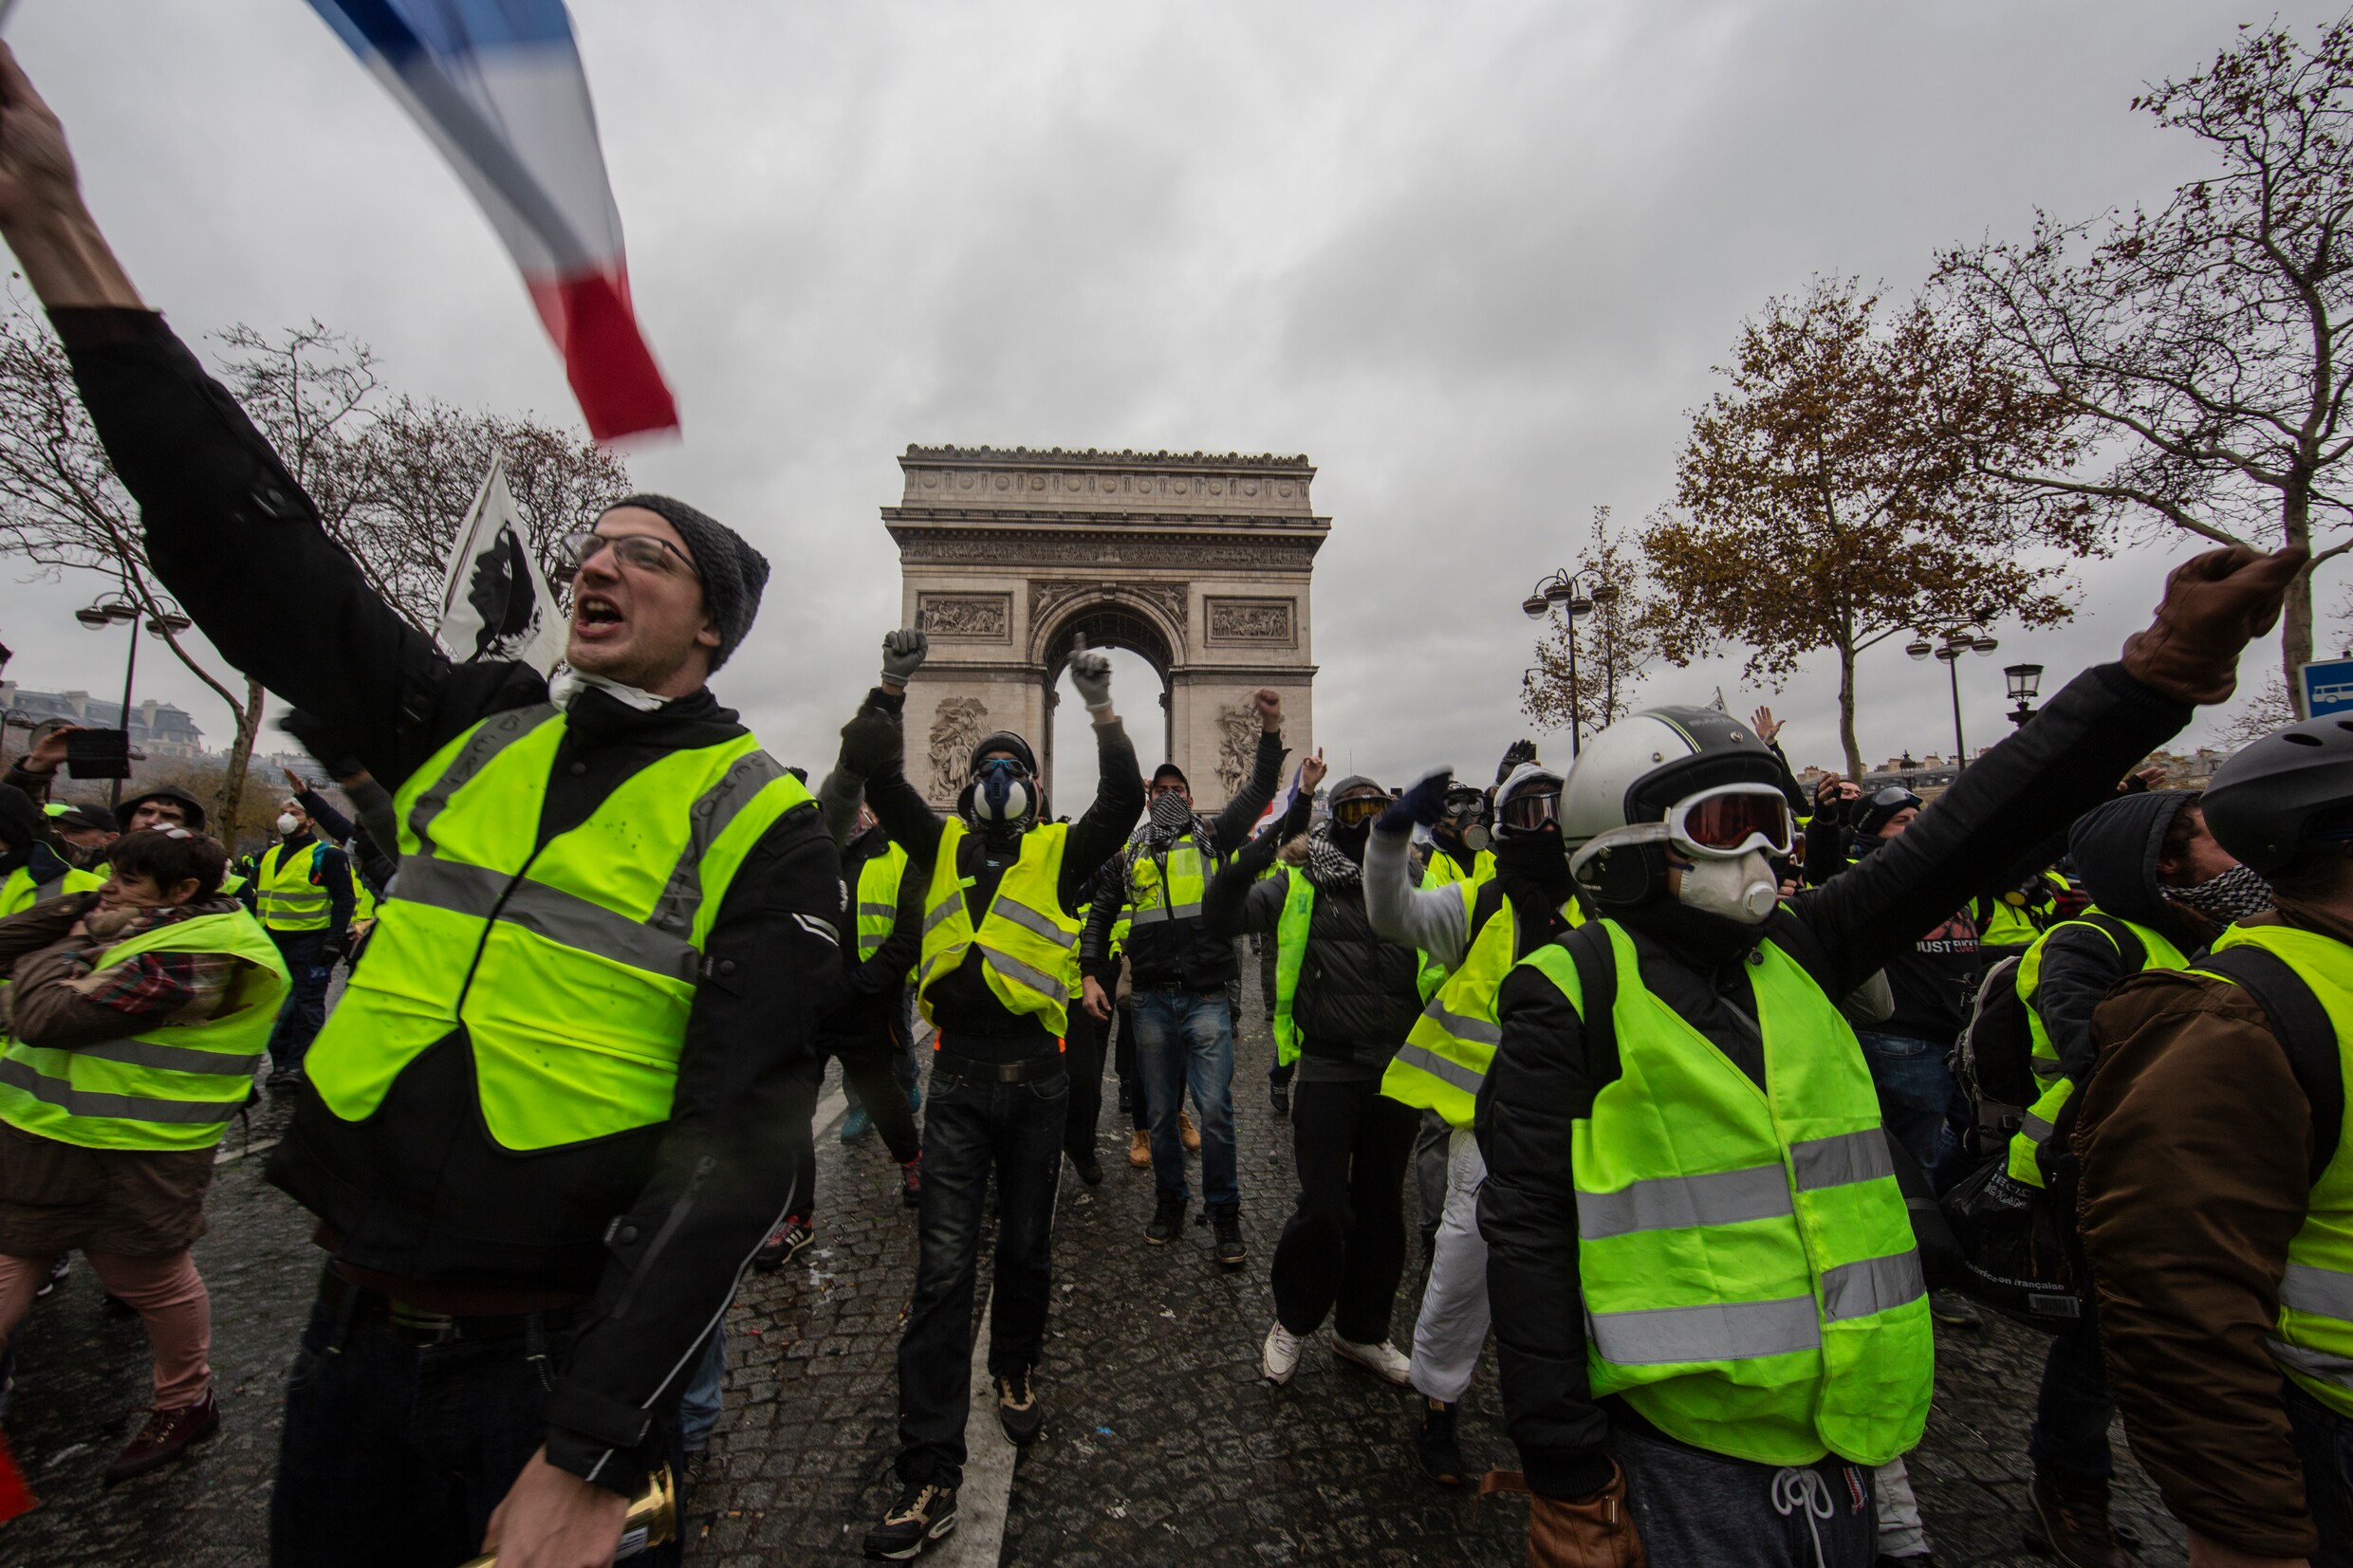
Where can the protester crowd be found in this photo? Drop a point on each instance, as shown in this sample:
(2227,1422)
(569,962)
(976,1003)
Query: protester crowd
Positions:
(1717,1100)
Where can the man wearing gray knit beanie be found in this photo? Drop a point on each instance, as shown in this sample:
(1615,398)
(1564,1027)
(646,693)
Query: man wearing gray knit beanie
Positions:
(661,595)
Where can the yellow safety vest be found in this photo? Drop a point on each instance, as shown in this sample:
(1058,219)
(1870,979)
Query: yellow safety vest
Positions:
(2042,1117)
(170,1086)
(569,967)
(2010,921)
(878,898)
(1750,1277)
(1151,901)
(1290,952)
(1440,871)
(1028,943)
(20,892)
(2313,1343)
(290,899)
(1445,1057)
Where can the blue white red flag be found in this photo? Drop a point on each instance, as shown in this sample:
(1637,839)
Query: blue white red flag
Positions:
(498,86)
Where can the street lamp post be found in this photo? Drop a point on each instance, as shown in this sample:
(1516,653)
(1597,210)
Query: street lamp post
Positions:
(1958,640)
(2025,681)
(101,614)
(1561,590)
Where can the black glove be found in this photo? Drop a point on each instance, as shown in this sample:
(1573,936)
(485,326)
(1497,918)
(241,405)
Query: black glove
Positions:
(1514,755)
(872,744)
(1424,803)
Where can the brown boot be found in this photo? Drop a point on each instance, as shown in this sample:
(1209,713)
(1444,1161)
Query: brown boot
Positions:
(165,1437)
(1187,1134)
(2073,1511)
(1139,1150)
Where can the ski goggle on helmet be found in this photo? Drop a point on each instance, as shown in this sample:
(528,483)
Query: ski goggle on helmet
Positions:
(1723,823)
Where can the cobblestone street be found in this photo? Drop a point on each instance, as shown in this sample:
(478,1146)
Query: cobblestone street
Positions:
(1162,1446)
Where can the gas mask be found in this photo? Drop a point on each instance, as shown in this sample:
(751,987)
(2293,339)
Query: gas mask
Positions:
(1003,794)
(287,824)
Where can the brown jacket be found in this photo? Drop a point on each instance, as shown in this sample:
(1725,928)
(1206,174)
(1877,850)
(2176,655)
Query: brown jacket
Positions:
(2195,1142)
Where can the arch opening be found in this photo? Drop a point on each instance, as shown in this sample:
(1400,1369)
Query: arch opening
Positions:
(1140,646)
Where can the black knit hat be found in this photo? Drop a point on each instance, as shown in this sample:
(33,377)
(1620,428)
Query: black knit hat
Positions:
(732,572)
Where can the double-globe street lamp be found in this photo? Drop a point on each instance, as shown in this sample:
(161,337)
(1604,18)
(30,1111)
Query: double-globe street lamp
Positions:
(1957,641)
(1562,591)
(101,614)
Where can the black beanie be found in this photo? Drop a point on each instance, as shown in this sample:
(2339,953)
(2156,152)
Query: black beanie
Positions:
(732,572)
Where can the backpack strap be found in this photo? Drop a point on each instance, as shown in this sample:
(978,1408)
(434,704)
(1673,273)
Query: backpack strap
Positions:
(2301,1025)
(1589,949)
(2129,943)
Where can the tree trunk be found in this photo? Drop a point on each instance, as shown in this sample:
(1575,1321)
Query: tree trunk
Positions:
(1846,710)
(2296,614)
(240,754)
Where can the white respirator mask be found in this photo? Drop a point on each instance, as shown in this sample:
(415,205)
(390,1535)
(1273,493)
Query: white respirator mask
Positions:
(1743,889)
(288,824)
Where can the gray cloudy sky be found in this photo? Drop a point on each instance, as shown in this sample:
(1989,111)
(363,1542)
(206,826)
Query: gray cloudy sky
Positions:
(1476,261)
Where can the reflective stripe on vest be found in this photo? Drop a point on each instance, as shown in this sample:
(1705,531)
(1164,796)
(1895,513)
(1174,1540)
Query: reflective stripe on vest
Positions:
(1290,952)
(2042,1117)
(1149,902)
(569,966)
(287,899)
(2313,1340)
(878,898)
(1747,1260)
(1440,871)
(1029,945)
(1445,1055)
(173,1086)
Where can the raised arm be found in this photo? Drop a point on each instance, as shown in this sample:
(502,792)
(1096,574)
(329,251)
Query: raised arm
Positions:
(1103,831)
(1233,823)
(1437,920)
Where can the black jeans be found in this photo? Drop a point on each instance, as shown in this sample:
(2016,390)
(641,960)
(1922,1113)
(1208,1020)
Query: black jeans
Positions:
(1344,1248)
(2325,1443)
(303,1014)
(1082,1055)
(969,1131)
(2073,1409)
(397,1454)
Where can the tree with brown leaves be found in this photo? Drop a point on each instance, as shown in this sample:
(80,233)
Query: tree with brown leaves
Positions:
(2198,346)
(1835,494)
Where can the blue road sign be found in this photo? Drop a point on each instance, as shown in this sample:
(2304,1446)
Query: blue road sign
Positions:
(2327,685)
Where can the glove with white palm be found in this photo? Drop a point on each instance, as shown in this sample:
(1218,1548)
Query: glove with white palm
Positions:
(1090,671)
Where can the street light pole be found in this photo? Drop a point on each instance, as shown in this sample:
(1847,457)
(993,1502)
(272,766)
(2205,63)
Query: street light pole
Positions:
(1957,641)
(1560,589)
(130,665)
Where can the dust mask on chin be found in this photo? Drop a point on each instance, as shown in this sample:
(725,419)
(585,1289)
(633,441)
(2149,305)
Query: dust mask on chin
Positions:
(1743,889)
(288,824)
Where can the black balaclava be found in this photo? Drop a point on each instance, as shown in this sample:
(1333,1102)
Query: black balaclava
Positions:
(1350,841)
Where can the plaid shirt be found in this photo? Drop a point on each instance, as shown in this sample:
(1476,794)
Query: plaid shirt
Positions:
(153,984)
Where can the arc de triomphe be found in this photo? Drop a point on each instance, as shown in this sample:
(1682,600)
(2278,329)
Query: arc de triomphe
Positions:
(1199,564)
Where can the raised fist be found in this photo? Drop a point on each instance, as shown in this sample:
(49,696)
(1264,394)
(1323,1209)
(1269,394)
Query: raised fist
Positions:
(1269,702)
(902,655)
(1090,671)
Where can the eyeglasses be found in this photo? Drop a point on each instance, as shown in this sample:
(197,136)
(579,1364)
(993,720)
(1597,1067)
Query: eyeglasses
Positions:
(658,556)
(1359,808)
(1731,819)
(1530,808)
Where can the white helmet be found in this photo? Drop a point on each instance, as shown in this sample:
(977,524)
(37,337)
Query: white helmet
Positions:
(1634,773)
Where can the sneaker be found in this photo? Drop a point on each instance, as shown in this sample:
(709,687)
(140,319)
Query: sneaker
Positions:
(1281,1095)
(1088,1166)
(58,1267)
(1953,1310)
(1279,1357)
(1139,1150)
(165,1437)
(1168,1221)
(923,1515)
(911,1182)
(857,1124)
(914,1097)
(1439,1445)
(1230,1250)
(784,1242)
(1019,1409)
(2071,1520)
(1187,1134)
(1384,1360)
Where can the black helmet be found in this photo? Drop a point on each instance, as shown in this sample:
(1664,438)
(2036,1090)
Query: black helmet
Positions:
(2264,803)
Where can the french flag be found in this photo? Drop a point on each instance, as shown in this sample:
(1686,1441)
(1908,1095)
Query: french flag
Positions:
(499,87)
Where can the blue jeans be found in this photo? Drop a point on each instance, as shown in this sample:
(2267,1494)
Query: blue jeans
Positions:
(304,1012)
(699,1406)
(970,1130)
(1185,1040)
(2324,1441)
(1916,1095)
(396,1454)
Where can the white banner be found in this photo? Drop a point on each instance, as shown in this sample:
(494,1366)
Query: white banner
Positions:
(495,605)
